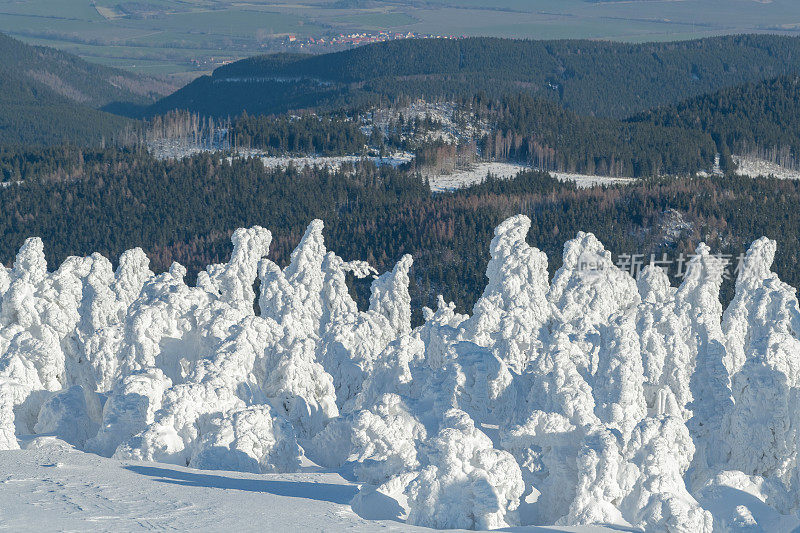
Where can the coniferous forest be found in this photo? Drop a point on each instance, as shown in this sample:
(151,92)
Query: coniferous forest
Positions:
(588,77)
(185,211)
(82,178)
(760,119)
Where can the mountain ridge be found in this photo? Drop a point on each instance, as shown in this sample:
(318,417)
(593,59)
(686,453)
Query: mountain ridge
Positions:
(50,97)
(635,77)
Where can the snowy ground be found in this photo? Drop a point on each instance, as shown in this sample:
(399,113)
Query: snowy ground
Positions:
(180,148)
(749,166)
(171,149)
(334,162)
(476,174)
(50,486)
(584,181)
(176,149)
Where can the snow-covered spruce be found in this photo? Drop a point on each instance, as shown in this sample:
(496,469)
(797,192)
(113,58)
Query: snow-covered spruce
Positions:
(593,398)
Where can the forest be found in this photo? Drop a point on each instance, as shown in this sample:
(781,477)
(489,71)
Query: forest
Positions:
(588,77)
(555,112)
(520,128)
(112,200)
(547,136)
(50,97)
(759,119)
(570,395)
(84,181)
(308,134)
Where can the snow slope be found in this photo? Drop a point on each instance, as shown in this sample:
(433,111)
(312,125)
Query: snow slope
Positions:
(51,486)
(587,399)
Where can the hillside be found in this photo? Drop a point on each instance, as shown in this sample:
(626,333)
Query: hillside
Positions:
(759,119)
(588,77)
(75,79)
(518,128)
(50,97)
(547,136)
(35,115)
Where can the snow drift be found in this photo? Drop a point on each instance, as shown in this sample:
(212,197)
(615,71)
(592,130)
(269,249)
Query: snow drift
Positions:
(593,398)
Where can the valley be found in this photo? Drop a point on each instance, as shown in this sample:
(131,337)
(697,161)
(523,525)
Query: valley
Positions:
(182,40)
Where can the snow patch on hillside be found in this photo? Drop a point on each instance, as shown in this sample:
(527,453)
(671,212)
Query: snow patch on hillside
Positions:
(329,162)
(752,167)
(584,181)
(451,122)
(476,174)
(179,148)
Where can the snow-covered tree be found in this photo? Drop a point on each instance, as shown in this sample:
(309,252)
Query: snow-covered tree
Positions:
(593,399)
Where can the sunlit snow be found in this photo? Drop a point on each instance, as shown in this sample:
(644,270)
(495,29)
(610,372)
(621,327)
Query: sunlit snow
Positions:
(753,167)
(588,398)
(478,172)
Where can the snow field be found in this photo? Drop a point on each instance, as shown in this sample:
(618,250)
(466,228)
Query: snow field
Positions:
(475,175)
(752,167)
(331,162)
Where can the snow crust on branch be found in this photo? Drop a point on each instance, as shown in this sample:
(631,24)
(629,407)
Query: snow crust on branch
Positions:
(593,398)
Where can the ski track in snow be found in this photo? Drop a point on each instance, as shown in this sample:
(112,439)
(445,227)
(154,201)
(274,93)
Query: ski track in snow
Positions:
(588,399)
(55,487)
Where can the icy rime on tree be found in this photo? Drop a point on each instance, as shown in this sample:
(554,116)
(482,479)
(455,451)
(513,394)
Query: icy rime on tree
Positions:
(594,398)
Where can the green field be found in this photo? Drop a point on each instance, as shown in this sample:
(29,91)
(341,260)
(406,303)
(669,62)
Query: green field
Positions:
(185,38)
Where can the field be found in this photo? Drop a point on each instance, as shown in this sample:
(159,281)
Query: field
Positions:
(185,39)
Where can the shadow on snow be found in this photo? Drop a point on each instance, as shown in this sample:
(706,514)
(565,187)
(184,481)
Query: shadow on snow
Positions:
(329,492)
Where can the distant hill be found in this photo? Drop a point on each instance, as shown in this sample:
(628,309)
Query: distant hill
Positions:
(588,77)
(761,119)
(75,79)
(48,96)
